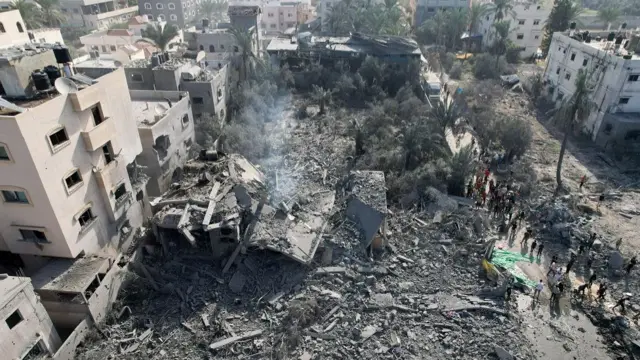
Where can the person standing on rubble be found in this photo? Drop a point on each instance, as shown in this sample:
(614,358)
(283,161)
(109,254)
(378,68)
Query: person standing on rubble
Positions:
(590,260)
(514,229)
(538,290)
(583,179)
(600,201)
(621,303)
(631,265)
(508,289)
(540,250)
(533,246)
(581,289)
(591,280)
(470,189)
(602,290)
(525,238)
(571,262)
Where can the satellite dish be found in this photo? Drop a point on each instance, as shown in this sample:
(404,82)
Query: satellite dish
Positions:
(65,86)
(160,109)
(201,55)
(117,63)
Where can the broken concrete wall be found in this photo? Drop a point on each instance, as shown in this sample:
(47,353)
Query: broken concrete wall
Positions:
(368,219)
(68,349)
(104,296)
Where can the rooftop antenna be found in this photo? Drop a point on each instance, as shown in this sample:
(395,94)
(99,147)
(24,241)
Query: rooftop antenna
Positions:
(65,86)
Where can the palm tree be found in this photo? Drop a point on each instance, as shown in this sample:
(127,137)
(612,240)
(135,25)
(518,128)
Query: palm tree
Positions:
(608,16)
(50,11)
(322,96)
(159,36)
(474,17)
(462,165)
(563,13)
(501,42)
(29,11)
(573,112)
(446,112)
(213,10)
(456,25)
(244,41)
(500,9)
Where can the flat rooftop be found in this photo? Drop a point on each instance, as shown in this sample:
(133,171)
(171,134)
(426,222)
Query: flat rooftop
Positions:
(375,45)
(148,112)
(602,45)
(10,286)
(69,275)
(101,63)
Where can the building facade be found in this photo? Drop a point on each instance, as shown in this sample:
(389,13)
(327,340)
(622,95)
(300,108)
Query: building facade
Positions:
(614,74)
(96,14)
(176,12)
(109,41)
(527,26)
(12,29)
(27,332)
(425,9)
(278,16)
(165,125)
(65,162)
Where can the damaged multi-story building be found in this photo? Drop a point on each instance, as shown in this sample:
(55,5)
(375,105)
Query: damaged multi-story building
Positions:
(207,87)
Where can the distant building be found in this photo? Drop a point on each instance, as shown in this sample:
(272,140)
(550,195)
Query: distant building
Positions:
(12,29)
(27,332)
(96,14)
(138,23)
(109,41)
(165,126)
(46,35)
(65,185)
(279,16)
(614,66)
(176,12)
(527,26)
(425,9)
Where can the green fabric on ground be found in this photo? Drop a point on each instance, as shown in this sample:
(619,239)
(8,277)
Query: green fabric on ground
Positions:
(508,260)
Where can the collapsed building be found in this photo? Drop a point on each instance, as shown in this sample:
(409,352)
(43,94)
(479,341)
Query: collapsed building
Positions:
(367,206)
(227,207)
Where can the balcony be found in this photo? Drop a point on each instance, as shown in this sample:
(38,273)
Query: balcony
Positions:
(86,98)
(99,135)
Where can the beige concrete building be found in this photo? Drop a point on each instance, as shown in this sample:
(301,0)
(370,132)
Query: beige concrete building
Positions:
(26,331)
(46,35)
(13,31)
(165,125)
(64,163)
(96,14)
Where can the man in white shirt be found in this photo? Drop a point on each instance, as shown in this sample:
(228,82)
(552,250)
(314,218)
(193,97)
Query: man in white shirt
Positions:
(538,290)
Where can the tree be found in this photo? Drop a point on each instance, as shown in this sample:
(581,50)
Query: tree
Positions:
(563,13)
(501,9)
(322,96)
(608,15)
(244,39)
(444,28)
(50,11)
(446,112)
(573,112)
(462,165)
(29,11)
(367,17)
(501,42)
(475,14)
(159,36)
(213,10)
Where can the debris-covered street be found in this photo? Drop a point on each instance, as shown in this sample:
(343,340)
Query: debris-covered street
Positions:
(287,276)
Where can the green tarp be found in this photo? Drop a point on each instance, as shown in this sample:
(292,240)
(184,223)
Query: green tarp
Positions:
(508,260)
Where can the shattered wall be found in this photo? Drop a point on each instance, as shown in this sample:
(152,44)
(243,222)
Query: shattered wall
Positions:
(166,143)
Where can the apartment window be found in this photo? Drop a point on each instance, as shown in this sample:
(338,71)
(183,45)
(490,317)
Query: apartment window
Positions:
(560,95)
(112,47)
(269,14)
(19,26)
(198,100)
(221,46)
(2,30)
(567,76)
(573,56)
(585,62)
(104,49)
(147,6)
(173,17)
(219,94)
(430,10)
(14,319)
(120,191)
(136,77)
(289,15)
(273,26)
(58,138)
(537,37)
(85,218)
(201,47)
(159,6)
(171,6)
(150,16)
(235,48)
(35,236)
(160,17)
(185,119)
(520,36)
(73,180)
(4,153)
(608,128)
(624,100)
(633,77)
(536,22)
(212,48)
(15,196)
(107,151)
(521,22)
(98,118)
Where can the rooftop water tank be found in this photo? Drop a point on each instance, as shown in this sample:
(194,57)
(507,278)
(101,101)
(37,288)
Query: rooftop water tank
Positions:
(40,80)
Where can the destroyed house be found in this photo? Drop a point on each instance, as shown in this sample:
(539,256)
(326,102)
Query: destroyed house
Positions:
(166,129)
(26,331)
(354,49)
(224,205)
(367,205)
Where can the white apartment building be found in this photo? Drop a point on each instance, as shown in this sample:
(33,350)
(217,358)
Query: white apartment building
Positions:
(428,8)
(26,331)
(46,35)
(96,14)
(527,25)
(614,71)
(278,16)
(109,41)
(12,29)
(65,187)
